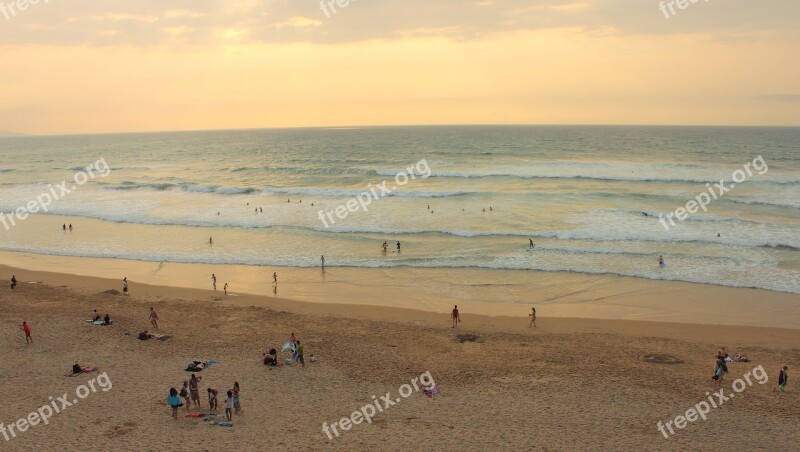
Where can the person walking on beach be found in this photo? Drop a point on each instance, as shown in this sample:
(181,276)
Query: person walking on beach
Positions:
(210,240)
(531,243)
(125,286)
(456,317)
(532,315)
(225,288)
(322,259)
(214,281)
(27,330)
(385,246)
(194,391)
(153,318)
(64,227)
(398,246)
(783,378)
(274,278)
(13,282)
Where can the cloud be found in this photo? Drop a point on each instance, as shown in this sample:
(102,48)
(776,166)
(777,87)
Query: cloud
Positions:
(150,22)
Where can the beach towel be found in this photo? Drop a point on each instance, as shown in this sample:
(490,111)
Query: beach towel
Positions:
(195,415)
(225,424)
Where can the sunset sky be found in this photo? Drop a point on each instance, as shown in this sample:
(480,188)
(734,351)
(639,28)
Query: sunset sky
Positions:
(84,66)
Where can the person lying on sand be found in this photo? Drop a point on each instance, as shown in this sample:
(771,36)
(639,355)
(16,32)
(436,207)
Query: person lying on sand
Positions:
(78,369)
(742,359)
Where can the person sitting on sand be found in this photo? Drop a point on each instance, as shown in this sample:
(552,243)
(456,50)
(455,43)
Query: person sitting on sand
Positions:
(144,335)
(95,316)
(107,320)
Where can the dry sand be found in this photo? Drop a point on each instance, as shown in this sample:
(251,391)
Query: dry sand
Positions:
(569,384)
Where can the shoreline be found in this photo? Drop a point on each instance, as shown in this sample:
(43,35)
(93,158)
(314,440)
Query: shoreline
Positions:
(492,293)
(473,322)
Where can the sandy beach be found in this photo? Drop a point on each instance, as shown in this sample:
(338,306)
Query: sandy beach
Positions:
(569,384)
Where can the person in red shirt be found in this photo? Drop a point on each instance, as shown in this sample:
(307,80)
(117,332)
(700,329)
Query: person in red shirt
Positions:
(27,329)
(456,318)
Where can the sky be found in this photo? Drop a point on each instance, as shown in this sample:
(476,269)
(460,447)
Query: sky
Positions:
(92,66)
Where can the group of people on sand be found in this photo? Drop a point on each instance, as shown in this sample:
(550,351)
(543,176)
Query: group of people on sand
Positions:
(96,318)
(190,393)
(721,368)
(270,358)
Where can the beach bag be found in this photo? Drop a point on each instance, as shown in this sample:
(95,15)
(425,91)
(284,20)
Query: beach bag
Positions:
(183,392)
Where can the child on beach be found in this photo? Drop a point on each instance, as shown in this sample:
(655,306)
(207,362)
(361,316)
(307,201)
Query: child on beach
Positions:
(27,330)
(125,285)
(456,317)
(275,278)
(532,315)
(783,378)
(13,282)
(225,288)
(229,405)
(174,402)
(214,281)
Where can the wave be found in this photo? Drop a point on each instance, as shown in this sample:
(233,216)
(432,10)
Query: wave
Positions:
(194,188)
(782,283)
(5,170)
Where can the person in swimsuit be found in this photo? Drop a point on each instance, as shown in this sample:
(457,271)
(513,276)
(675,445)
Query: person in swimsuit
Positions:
(532,315)
(185,394)
(194,391)
(275,278)
(153,318)
(229,405)
(214,281)
(225,288)
(13,282)
(125,285)
(456,317)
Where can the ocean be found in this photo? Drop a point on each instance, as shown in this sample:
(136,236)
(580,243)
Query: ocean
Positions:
(588,196)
